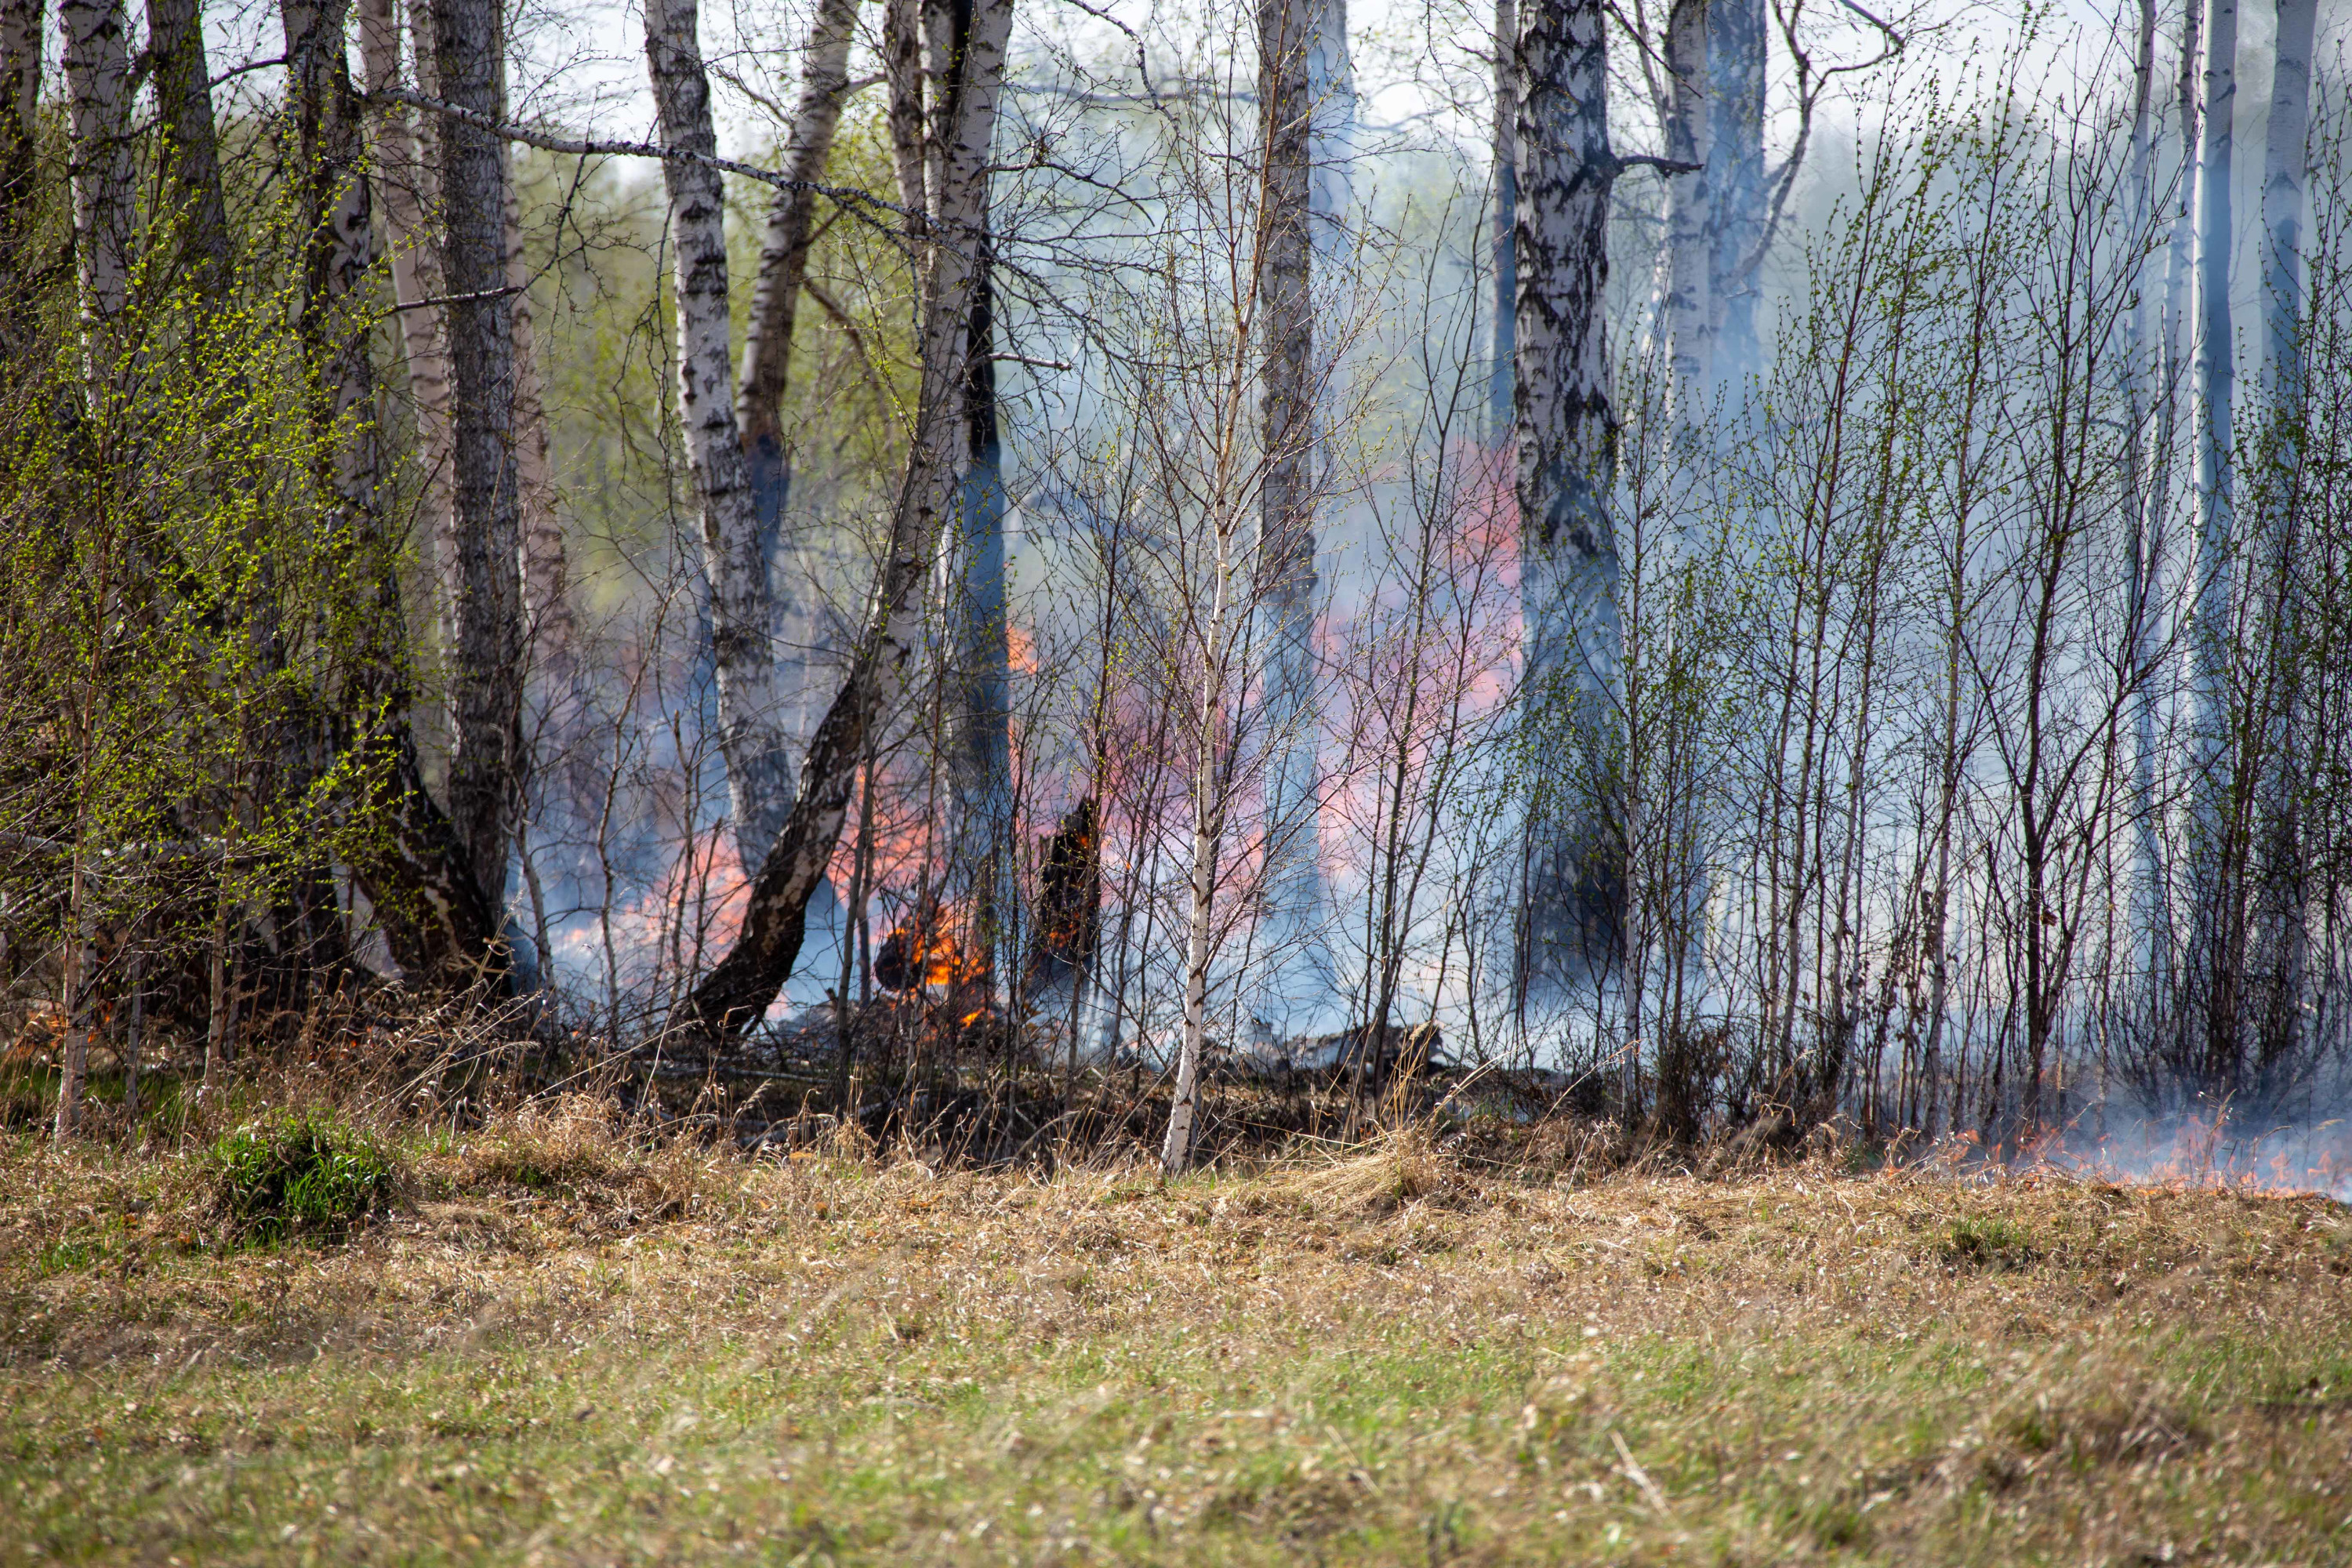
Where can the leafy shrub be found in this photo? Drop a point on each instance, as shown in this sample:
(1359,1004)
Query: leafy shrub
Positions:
(297,1174)
(1987,1241)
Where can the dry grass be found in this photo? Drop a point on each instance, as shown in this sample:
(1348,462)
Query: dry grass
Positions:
(573,1343)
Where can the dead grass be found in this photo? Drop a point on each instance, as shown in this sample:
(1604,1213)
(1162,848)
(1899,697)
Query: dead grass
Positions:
(573,1343)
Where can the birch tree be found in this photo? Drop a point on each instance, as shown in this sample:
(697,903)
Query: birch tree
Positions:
(751,738)
(2215,593)
(1685,311)
(1502,371)
(2142,513)
(406,184)
(2282,206)
(1566,427)
(739,988)
(101,171)
(486,612)
(1737,38)
(784,248)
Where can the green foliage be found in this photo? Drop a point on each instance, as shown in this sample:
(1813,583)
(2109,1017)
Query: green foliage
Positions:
(298,1174)
(1988,1241)
(186,611)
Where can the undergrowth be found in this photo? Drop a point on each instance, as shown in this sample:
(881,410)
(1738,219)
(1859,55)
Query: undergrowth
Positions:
(306,1175)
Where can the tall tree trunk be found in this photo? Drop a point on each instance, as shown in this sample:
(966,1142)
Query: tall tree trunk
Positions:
(1688,309)
(486,761)
(979,713)
(738,990)
(1566,428)
(1210,795)
(20,170)
(783,264)
(981,728)
(407,183)
(440,924)
(546,589)
(546,569)
(1285,580)
(1502,371)
(1331,138)
(1736,42)
(2282,202)
(2140,517)
(101,170)
(2282,878)
(2210,785)
(784,251)
(183,102)
(743,633)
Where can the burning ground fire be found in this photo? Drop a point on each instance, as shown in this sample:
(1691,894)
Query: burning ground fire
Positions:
(2209,1151)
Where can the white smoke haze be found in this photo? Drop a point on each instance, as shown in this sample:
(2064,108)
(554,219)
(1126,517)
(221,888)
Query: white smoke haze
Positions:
(1880,841)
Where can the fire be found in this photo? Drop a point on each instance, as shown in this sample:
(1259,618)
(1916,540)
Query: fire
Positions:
(921,950)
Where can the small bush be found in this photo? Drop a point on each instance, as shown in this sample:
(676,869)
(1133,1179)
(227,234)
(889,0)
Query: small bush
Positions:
(1988,1242)
(297,1174)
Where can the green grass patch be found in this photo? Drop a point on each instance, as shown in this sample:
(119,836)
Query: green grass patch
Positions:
(298,1175)
(1988,1241)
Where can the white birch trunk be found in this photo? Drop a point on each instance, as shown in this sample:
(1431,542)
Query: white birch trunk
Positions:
(1689,310)
(784,256)
(1735,43)
(743,633)
(1209,796)
(100,171)
(1570,641)
(2282,879)
(1500,428)
(2141,514)
(2216,382)
(405,181)
(775,918)
(2283,203)
(785,252)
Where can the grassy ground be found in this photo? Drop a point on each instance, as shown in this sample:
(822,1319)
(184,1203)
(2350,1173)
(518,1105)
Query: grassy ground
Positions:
(551,1348)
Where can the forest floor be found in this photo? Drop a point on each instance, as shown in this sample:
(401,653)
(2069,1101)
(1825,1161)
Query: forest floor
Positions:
(556,1345)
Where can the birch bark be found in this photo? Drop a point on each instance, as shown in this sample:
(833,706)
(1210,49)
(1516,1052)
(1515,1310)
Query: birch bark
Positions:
(1500,428)
(784,262)
(2283,201)
(100,174)
(741,987)
(2141,514)
(1689,310)
(2210,781)
(751,738)
(2283,879)
(1735,36)
(486,611)
(1570,639)
(1208,800)
(405,181)
(440,921)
